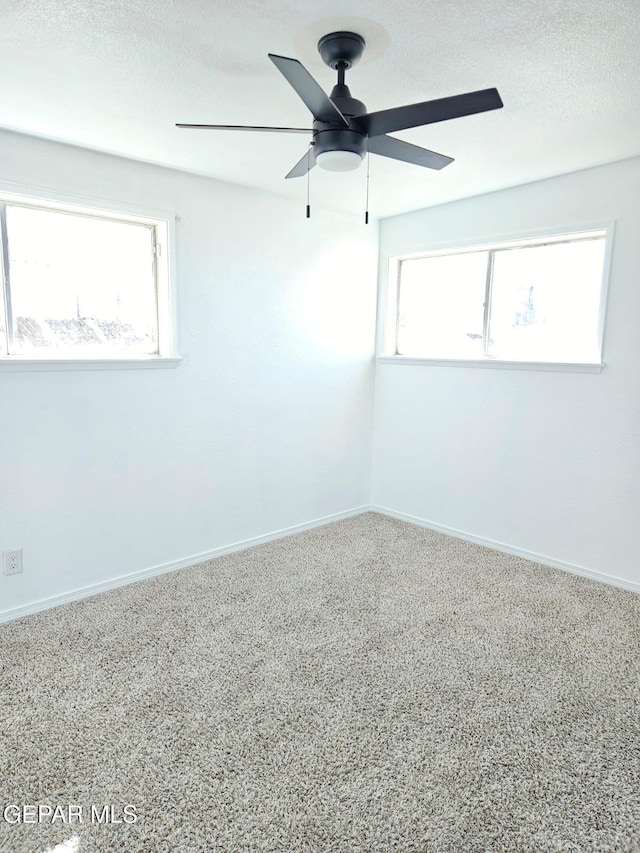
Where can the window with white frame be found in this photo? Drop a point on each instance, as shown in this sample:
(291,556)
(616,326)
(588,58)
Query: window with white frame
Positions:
(539,300)
(81,283)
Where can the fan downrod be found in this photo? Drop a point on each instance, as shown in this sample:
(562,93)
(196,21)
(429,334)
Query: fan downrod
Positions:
(341,50)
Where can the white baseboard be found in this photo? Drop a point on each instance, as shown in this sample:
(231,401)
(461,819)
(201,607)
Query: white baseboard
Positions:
(194,559)
(510,549)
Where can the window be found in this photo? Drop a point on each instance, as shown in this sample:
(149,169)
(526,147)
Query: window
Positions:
(533,301)
(81,283)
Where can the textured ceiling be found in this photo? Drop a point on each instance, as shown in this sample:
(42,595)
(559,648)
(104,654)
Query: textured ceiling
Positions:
(115,75)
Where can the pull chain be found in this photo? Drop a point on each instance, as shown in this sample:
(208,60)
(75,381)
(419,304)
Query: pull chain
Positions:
(308,173)
(366,213)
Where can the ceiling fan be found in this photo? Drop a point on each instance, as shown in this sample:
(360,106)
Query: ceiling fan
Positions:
(343,131)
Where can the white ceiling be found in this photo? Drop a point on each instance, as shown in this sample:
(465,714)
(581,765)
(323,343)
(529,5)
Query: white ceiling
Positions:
(115,75)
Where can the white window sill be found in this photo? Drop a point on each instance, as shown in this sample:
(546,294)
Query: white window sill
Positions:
(495,364)
(20,363)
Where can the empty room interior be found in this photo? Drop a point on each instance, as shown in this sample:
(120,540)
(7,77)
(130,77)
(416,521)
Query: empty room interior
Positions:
(320,433)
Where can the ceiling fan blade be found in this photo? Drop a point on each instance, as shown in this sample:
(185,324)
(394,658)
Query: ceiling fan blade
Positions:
(321,106)
(245,127)
(429,112)
(387,146)
(305,164)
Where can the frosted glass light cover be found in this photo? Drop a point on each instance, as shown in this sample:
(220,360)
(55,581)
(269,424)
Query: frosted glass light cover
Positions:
(339,161)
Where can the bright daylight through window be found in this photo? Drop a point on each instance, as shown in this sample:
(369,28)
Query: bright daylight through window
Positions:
(534,301)
(82,284)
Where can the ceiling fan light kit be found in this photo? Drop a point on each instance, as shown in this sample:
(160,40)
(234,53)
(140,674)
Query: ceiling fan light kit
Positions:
(343,131)
(339,161)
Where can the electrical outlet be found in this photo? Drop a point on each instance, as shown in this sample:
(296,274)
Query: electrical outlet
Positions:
(12,562)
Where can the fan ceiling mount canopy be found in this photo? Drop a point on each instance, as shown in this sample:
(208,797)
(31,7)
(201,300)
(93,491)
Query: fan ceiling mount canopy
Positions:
(343,131)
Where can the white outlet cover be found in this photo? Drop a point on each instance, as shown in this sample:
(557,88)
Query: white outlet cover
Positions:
(12,562)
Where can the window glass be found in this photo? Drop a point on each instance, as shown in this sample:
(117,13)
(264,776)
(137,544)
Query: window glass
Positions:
(80,285)
(546,300)
(440,306)
(537,301)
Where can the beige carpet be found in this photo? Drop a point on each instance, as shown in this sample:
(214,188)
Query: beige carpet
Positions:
(367,686)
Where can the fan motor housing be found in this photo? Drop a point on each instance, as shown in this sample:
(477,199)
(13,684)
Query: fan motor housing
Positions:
(338,139)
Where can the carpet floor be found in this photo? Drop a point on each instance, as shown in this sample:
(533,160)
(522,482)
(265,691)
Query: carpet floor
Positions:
(366,686)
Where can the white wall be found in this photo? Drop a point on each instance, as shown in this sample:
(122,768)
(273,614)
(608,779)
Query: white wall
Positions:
(267,422)
(545,462)
(265,425)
